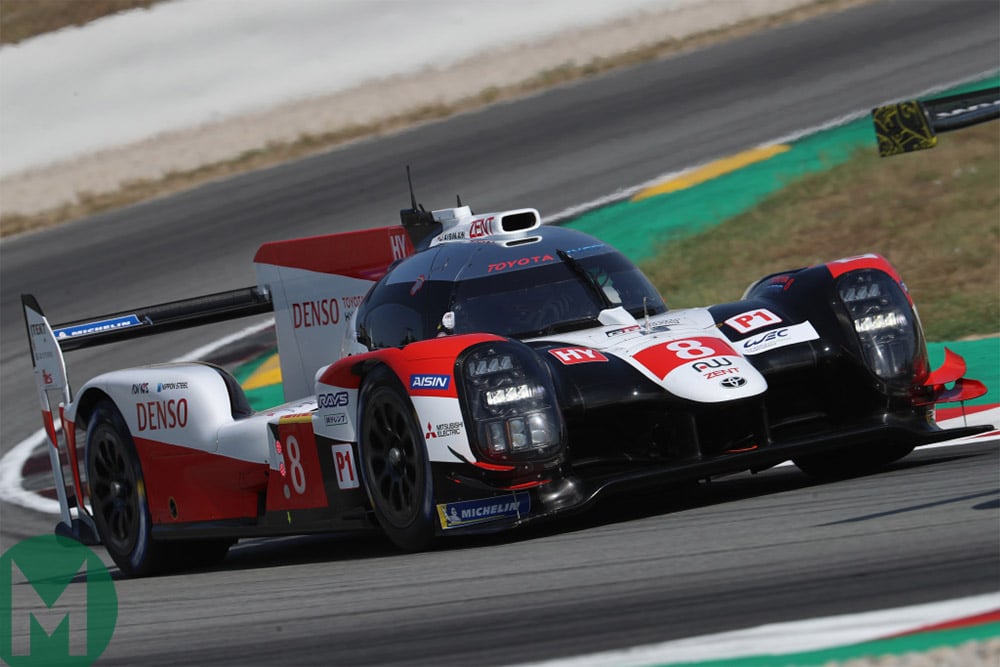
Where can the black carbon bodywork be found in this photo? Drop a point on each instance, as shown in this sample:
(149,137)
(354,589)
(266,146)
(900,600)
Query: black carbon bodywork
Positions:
(857,385)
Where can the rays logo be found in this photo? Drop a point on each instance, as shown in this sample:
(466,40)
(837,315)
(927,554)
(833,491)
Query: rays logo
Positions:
(336,400)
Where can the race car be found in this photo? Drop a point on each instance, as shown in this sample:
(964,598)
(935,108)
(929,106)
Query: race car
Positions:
(463,373)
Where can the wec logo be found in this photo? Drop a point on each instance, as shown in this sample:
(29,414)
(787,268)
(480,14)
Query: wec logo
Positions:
(765,338)
(58,604)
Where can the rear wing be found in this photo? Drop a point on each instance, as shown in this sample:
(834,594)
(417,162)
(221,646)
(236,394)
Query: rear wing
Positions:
(312,285)
(160,318)
(913,125)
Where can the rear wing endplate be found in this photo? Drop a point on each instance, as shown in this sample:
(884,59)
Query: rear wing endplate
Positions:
(50,381)
(913,125)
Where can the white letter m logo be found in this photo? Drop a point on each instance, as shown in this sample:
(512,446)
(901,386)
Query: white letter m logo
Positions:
(69,608)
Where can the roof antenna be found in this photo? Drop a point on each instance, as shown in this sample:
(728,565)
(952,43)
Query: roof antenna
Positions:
(458,201)
(413,197)
(419,224)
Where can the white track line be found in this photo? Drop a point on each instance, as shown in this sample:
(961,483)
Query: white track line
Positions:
(778,639)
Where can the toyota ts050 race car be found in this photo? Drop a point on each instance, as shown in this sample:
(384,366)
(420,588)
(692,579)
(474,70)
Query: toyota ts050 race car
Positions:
(470,372)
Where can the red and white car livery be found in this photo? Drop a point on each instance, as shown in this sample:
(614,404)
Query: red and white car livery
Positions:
(465,372)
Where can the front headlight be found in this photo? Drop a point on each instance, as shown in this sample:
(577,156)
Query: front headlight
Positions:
(521,392)
(884,323)
(508,396)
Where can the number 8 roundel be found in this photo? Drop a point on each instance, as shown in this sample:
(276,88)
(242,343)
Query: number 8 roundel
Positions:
(662,358)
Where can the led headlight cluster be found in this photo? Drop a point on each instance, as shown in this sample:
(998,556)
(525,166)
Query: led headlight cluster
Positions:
(880,322)
(883,321)
(504,395)
(519,434)
(509,396)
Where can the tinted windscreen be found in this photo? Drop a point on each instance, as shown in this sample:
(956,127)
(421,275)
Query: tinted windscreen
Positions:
(552,297)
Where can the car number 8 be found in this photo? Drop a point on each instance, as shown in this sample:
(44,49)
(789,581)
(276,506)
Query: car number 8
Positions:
(296,471)
(689,349)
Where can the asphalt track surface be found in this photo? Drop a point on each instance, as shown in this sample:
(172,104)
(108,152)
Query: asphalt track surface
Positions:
(740,552)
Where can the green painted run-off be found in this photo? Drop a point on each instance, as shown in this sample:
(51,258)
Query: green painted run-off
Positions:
(639,228)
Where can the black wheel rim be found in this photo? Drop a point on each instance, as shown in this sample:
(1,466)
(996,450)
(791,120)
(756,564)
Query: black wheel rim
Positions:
(392,460)
(113,490)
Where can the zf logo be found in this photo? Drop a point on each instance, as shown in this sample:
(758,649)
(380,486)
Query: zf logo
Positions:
(58,604)
(337,400)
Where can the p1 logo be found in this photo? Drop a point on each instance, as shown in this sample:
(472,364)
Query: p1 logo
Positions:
(58,604)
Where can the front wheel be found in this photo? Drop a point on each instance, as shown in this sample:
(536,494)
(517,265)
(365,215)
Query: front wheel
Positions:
(395,465)
(118,495)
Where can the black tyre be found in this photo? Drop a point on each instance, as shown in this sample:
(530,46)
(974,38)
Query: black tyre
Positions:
(118,495)
(853,461)
(395,465)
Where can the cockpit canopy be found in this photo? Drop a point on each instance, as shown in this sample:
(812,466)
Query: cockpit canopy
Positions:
(554,281)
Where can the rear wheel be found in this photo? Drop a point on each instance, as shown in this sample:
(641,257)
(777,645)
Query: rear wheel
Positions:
(395,465)
(852,461)
(121,509)
(118,494)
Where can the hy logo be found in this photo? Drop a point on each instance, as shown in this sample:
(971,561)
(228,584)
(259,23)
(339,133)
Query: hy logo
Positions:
(58,604)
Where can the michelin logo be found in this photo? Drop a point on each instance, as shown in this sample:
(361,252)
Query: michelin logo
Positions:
(470,512)
(100,326)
